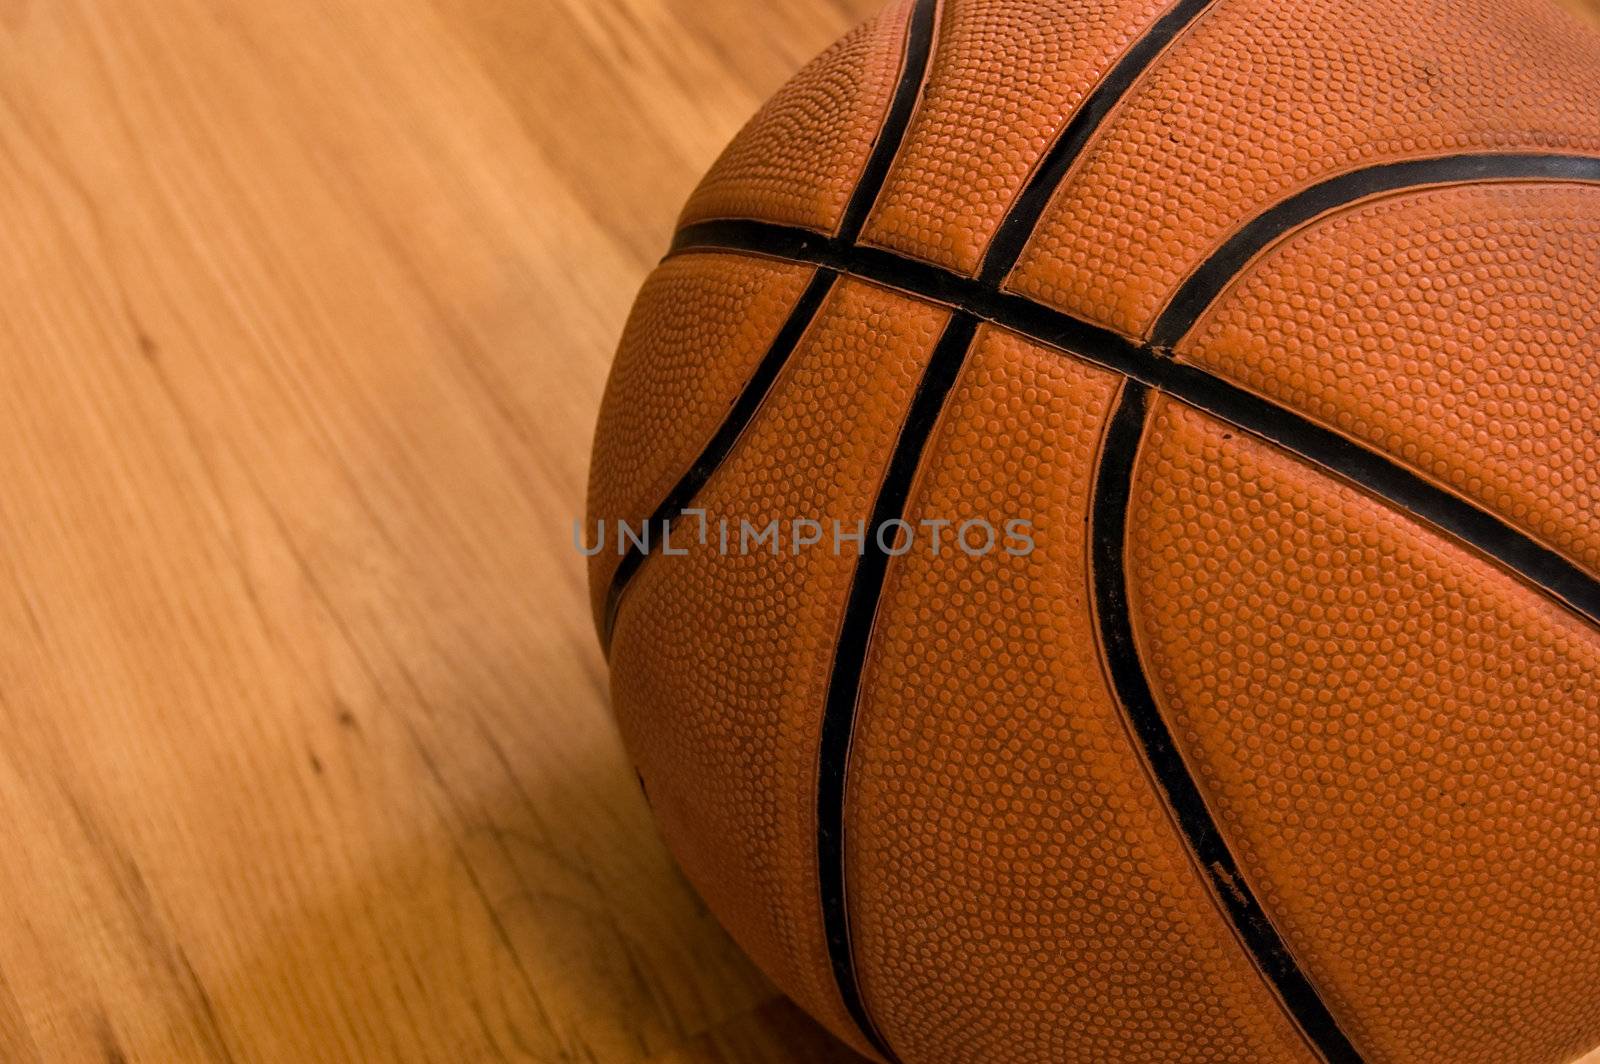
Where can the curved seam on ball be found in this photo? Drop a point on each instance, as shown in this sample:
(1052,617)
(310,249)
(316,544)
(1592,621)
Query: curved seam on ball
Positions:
(1018,224)
(1544,568)
(914,73)
(1196,294)
(850,654)
(921,31)
(1016,229)
(721,443)
(918,51)
(1108,534)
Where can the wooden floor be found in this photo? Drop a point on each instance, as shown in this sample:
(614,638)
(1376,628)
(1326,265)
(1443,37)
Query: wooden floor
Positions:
(304,748)
(307,306)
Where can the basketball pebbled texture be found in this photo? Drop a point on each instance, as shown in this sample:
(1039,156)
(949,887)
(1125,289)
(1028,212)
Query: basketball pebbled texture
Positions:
(800,159)
(739,645)
(948,189)
(1276,319)
(1264,98)
(1424,725)
(705,320)
(1093,912)
(1452,328)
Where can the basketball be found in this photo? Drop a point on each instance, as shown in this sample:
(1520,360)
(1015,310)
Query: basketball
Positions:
(1095,525)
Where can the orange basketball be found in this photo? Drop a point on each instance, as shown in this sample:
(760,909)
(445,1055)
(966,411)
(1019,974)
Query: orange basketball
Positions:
(1096,524)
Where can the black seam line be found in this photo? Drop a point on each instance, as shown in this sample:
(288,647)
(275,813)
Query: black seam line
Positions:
(721,444)
(1203,286)
(1536,563)
(914,70)
(1016,230)
(839,712)
(914,67)
(855,632)
(1113,492)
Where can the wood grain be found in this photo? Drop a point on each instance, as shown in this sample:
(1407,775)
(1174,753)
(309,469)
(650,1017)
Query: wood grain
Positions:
(305,748)
(304,753)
